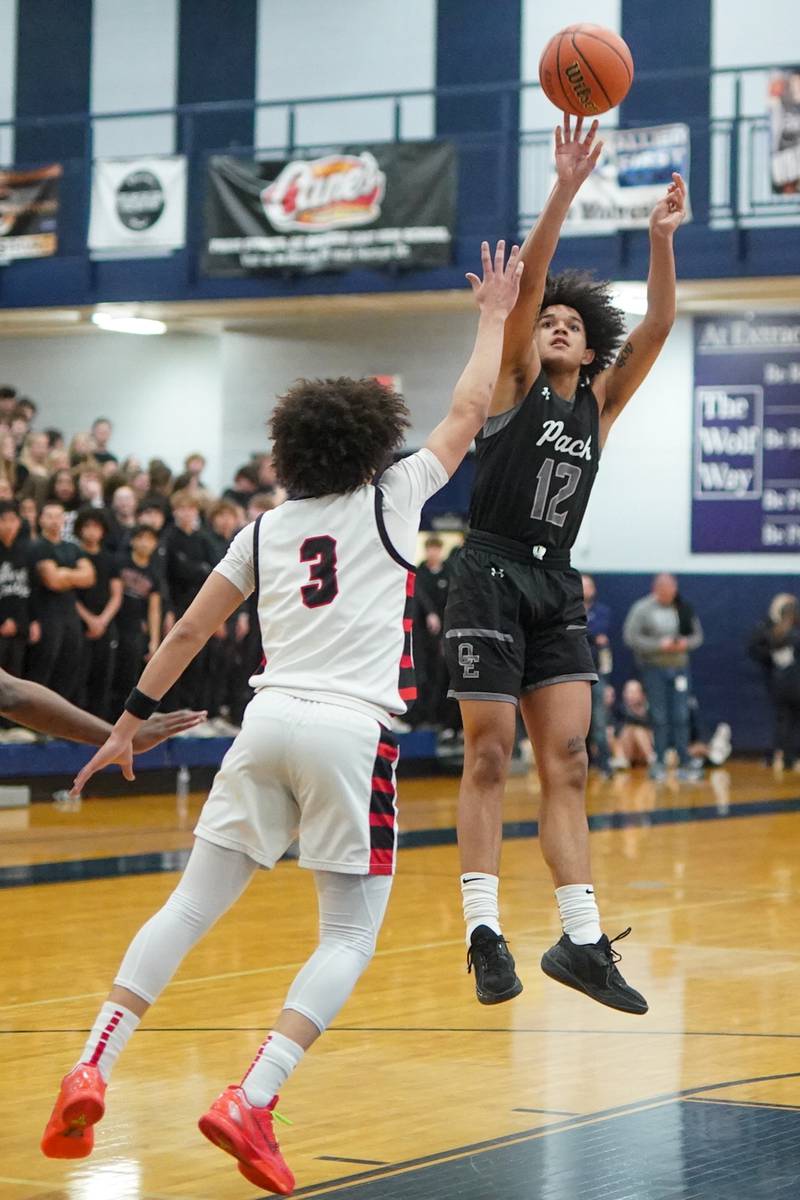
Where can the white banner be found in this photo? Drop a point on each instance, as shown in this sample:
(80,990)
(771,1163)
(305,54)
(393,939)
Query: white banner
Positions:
(138,207)
(632,175)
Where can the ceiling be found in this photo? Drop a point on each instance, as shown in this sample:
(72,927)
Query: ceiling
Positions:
(213,317)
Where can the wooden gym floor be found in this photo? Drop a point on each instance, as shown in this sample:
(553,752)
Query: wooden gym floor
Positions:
(417,1091)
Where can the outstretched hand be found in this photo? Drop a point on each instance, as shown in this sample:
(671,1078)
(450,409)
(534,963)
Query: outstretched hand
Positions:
(161,726)
(671,209)
(117,748)
(498,290)
(576,159)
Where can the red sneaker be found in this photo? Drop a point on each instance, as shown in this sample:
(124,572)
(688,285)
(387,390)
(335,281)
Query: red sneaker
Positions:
(246,1132)
(80,1105)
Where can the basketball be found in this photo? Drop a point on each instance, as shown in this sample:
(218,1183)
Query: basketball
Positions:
(586,70)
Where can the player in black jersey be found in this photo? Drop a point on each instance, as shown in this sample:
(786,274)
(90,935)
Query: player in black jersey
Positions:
(515,625)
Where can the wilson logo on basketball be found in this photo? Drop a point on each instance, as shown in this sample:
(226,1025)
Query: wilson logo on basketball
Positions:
(336,192)
(580,87)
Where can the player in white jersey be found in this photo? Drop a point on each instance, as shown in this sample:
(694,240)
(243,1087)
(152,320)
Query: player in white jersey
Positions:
(332,570)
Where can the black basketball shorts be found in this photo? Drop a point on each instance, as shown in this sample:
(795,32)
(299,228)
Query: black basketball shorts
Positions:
(512,627)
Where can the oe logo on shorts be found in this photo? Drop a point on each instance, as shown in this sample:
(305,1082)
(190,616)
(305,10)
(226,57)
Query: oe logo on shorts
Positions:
(467,659)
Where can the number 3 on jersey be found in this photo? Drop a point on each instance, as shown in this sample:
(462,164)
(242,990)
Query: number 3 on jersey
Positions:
(323,586)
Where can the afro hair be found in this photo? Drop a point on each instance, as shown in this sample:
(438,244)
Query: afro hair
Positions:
(604,324)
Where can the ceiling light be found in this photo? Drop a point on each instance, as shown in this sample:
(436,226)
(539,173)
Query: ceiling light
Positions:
(630,297)
(114,324)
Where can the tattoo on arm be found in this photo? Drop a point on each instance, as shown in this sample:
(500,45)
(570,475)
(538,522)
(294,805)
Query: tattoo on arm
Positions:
(624,355)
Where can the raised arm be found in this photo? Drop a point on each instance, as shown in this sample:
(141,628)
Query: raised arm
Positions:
(615,386)
(495,295)
(575,159)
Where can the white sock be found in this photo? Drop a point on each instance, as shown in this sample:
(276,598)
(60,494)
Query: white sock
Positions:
(276,1059)
(479,897)
(580,918)
(113,1026)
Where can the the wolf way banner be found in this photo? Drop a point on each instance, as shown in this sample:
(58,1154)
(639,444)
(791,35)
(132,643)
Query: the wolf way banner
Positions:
(746,471)
(633,173)
(138,206)
(389,205)
(784,120)
(29,213)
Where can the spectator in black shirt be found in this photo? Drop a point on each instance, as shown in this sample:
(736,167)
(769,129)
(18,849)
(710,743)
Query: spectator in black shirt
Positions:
(101,435)
(123,518)
(63,490)
(245,485)
(61,569)
(433,580)
(97,608)
(191,555)
(232,655)
(15,589)
(139,616)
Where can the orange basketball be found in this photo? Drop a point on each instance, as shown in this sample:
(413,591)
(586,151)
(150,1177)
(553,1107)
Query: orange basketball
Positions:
(586,70)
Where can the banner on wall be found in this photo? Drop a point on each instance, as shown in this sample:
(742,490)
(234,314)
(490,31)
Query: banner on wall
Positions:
(390,205)
(746,462)
(784,120)
(632,175)
(138,206)
(29,213)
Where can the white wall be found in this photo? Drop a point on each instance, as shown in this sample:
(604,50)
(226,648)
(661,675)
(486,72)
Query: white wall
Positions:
(335,47)
(162,393)
(134,66)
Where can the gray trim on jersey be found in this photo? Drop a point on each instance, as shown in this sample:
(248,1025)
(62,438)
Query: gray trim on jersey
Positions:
(451,695)
(487,633)
(499,421)
(585,676)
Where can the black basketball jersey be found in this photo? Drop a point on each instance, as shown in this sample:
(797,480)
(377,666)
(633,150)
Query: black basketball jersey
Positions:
(536,467)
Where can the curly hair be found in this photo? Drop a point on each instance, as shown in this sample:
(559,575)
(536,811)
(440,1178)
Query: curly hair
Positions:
(334,435)
(604,324)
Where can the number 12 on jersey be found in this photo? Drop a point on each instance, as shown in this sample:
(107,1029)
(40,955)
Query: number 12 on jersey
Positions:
(567,471)
(323,585)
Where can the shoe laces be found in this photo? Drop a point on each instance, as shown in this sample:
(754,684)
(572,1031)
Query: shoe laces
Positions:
(613,955)
(490,950)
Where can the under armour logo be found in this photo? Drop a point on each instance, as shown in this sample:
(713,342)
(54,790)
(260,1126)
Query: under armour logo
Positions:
(467,658)
(498,573)
(545,393)
(538,551)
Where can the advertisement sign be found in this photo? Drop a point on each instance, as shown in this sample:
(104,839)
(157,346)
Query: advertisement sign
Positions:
(633,173)
(29,213)
(366,206)
(784,124)
(138,206)
(746,466)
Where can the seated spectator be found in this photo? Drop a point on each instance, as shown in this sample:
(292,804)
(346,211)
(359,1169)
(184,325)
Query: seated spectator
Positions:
(55,440)
(90,487)
(20,428)
(97,608)
(81,450)
(223,525)
(191,556)
(160,478)
(633,742)
(662,630)
(245,485)
(63,490)
(15,589)
(10,468)
(433,583)
(34,457)
(29,515)
(267,479)
(60,569)
(598,628)
(27,408)
(140,482)
(8,402)
(775,645)
(123,518)
(139,616)
(262,502)
(101,436)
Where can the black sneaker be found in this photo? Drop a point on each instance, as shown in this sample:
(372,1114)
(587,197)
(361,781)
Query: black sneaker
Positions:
(593,969)
(495,977)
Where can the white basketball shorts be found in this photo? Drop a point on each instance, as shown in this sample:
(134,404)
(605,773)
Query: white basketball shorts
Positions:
(308,769)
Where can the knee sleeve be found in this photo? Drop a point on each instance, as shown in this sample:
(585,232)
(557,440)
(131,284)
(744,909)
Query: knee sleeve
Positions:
(213,880)
(351,911)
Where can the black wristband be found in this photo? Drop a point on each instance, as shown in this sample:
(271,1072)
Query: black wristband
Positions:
(141,706)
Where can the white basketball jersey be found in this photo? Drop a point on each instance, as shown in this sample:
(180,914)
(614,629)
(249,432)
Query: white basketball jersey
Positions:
(335,581)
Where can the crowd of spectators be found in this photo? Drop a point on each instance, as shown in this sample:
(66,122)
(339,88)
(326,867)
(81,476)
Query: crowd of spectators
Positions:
(101,554)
